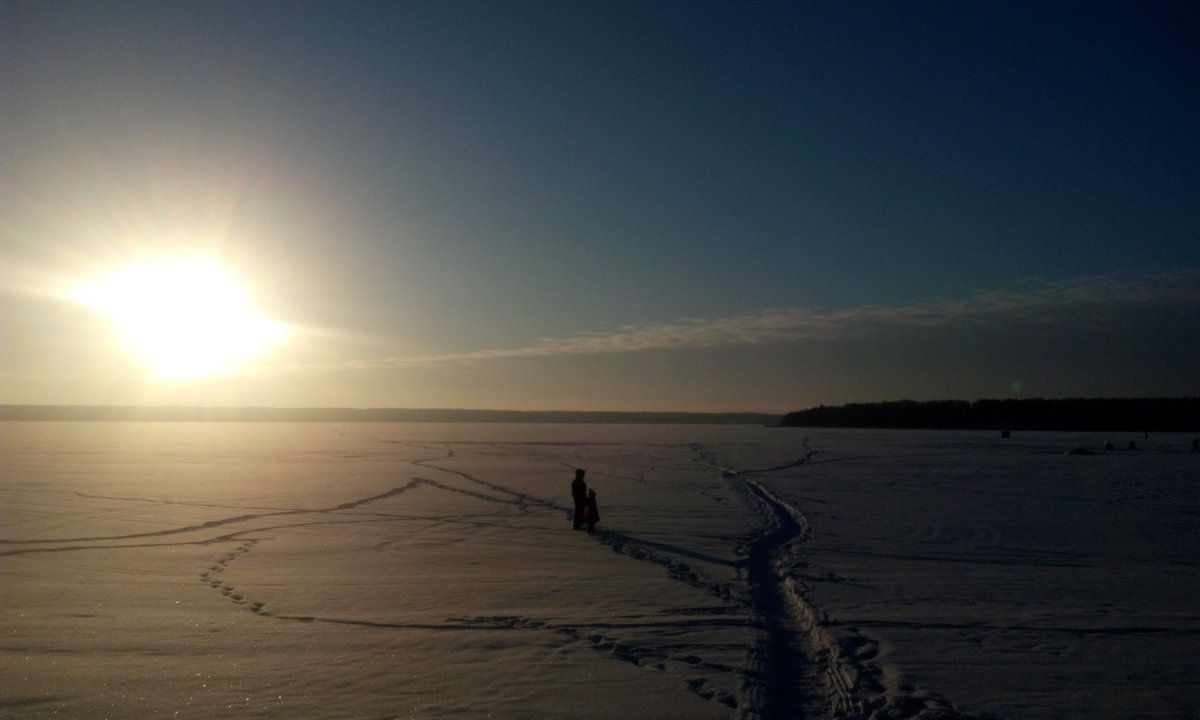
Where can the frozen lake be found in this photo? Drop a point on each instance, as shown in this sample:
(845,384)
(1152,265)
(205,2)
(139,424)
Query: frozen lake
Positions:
(348,570)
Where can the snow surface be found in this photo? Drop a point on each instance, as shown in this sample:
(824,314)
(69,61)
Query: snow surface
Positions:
(272,570)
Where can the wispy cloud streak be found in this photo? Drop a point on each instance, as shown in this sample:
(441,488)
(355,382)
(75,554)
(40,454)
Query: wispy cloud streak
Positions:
(1081,302)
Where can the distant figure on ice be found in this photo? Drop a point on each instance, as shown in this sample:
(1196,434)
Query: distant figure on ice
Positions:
(579,494)
(1109,446)
(1132,445)
(591,514)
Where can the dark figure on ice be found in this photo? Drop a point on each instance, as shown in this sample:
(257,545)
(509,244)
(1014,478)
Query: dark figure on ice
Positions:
(591,514)
(1195,444)
(579,494)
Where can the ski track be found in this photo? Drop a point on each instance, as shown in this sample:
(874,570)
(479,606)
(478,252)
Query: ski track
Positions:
(802,665)
(805,664)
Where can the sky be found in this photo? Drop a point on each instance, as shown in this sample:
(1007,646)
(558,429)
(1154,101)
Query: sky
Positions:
(662,206)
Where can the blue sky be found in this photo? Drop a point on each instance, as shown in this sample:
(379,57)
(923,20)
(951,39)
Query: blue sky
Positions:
(637,206)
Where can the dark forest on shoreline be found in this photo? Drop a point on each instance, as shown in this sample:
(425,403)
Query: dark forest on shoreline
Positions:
(1131,414)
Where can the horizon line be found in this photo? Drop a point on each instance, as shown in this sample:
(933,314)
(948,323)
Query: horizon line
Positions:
(354,408)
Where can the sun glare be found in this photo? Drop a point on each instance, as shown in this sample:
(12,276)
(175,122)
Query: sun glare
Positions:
(187,319)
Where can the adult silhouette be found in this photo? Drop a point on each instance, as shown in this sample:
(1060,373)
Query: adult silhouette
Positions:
(579,495)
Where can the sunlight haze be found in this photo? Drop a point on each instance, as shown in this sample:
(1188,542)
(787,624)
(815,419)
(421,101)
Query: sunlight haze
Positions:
(186,319)
(599,206)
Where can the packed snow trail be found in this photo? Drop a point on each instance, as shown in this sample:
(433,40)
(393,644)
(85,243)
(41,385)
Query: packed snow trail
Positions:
(804,665)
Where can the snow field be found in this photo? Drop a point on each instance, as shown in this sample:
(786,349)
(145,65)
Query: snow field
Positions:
(409,570)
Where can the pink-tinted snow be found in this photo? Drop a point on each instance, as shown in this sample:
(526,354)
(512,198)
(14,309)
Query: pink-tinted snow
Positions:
(428,571)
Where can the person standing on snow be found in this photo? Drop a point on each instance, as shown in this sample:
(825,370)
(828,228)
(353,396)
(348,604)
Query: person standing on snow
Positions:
(579,494)
(591,514)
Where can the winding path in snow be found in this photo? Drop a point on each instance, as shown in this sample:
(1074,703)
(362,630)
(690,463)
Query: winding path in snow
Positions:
(804,665)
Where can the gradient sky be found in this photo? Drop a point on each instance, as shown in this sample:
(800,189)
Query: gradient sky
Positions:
(702,206)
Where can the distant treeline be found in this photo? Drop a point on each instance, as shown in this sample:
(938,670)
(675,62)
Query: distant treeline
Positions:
(1136,414)
(267,414)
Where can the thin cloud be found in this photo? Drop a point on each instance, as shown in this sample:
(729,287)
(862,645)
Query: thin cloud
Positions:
(1103,301)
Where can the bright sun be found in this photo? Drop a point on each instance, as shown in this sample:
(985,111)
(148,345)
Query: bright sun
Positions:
(187,319)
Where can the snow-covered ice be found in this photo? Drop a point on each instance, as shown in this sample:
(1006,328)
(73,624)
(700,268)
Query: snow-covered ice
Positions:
(326,570)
